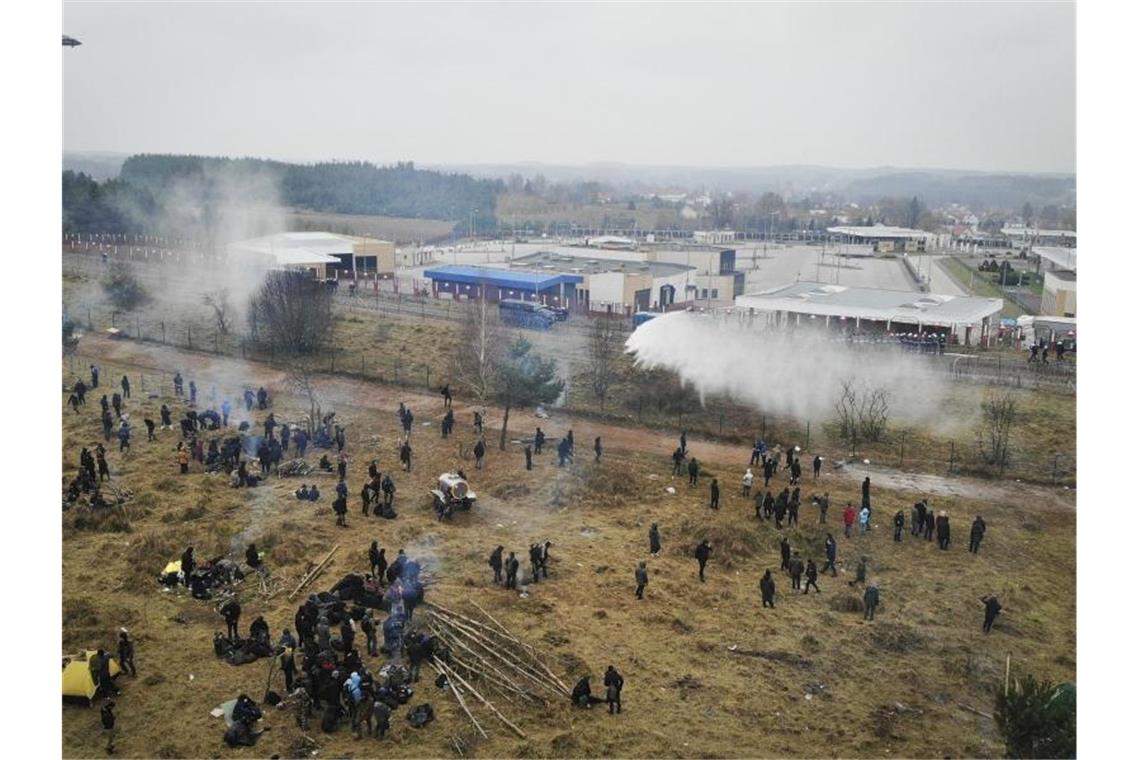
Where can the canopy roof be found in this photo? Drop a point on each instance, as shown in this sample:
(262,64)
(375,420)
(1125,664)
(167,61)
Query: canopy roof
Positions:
(871,303)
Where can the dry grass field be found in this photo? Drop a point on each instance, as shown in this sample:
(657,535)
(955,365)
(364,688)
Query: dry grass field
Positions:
(708,672)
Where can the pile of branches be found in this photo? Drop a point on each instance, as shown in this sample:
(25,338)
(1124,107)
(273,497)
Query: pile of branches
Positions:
(486,654)
(294,467)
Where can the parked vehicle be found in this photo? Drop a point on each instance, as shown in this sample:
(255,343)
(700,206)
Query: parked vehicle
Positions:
(518,313)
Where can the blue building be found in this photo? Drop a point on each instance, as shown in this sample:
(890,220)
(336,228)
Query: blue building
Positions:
(498,284)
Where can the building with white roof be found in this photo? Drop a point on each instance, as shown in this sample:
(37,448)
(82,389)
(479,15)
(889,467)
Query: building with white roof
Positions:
(324,253)
(849,308)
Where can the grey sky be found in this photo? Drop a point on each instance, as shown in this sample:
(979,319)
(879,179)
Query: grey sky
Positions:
(960,85)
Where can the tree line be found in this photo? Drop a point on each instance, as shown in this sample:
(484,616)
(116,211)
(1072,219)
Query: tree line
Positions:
(171,194)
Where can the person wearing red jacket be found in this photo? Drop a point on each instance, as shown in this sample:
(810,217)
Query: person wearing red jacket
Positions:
(848,519)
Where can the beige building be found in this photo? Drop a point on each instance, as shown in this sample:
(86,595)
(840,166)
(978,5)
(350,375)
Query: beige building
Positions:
(323,253)
(1059,296)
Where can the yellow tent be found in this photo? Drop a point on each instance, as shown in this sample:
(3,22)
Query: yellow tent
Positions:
(77,680)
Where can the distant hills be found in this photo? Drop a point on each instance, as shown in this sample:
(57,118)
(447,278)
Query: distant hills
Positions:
(934,186)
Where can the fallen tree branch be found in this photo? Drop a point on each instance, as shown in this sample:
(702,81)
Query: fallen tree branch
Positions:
(312,574)
(480,697)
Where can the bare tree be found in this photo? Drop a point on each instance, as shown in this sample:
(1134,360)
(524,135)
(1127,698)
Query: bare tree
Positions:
(293,311)
(874,410)
(604,350)
(862,412)
(301,378)
(847,412)
(482,343)
(999,413)
(219,301)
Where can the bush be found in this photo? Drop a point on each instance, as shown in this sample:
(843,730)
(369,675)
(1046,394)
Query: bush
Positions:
(124,289)
(1037,719)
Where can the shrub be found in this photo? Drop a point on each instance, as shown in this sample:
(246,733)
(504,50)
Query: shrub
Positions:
(1037,718)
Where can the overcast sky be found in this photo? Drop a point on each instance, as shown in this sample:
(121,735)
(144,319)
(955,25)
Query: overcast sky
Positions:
(962,85)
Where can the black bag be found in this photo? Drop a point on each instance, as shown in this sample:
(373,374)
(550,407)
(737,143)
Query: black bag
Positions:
(421,715)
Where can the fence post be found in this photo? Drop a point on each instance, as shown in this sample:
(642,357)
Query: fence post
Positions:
(112,317)
(138,328)
(1055,458)
(951,457)
(163,325)
(189,338)
(396,370)
(722,421)
(901,444)
(807,442)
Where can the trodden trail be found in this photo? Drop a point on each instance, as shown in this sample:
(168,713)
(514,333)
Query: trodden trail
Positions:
(373,395)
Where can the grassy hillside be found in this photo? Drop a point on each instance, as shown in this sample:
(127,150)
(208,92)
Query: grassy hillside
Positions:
(708,672)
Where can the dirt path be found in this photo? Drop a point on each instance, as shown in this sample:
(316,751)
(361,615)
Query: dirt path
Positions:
(164,359)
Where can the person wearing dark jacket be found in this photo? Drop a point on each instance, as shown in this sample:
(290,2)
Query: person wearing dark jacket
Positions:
(678,458)
(641,575)
(613,683)
(768,590)
(918,518)
(512,571)
(992,610)
(188,564)
(535,561)
(539,440)
(816,465)
(598,451)
(930,521)
(867,491)
(694,471)
(127,653)
(581,695)
(252,558)
(703,552)
(231,611)
(480,451)
(785,553)
(977,530)
(811,574)
(900,523)
(94,376)
(406,456)
(796,570)
(714,495)
(496,563)
(259,630)
(654,540)
(830,549)
(376,562)
(943,526)
(107,718)
(870,601)
(126,385)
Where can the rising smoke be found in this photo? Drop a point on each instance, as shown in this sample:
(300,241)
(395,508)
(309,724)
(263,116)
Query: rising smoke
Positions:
(784,373)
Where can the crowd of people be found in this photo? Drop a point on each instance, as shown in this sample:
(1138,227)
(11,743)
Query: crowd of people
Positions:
(326,674)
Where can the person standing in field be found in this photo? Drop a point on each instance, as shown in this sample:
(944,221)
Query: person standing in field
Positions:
(641,575)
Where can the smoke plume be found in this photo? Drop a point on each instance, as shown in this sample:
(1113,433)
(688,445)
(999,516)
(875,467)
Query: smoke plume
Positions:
(777,371)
